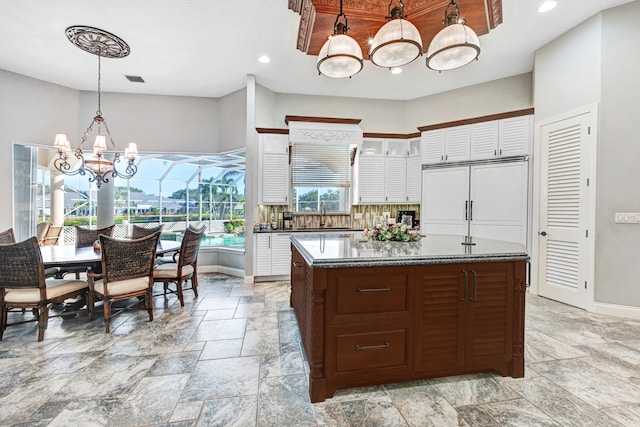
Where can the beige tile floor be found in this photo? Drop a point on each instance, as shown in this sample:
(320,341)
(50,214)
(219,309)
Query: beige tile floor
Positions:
(232,357)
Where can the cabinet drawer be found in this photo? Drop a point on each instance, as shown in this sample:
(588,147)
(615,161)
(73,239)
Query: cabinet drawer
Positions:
(364,293)
(370,350)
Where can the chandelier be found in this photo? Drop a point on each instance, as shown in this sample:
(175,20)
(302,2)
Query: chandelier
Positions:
(97,166)
(455,45)
(398,42)
(340,55)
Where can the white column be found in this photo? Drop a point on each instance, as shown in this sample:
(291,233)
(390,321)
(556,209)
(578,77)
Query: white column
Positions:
(105,204)
(57,198)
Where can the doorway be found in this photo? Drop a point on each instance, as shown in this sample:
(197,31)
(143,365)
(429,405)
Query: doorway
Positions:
(566,217)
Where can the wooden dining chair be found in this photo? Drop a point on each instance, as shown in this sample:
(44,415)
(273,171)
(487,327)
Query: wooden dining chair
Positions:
(186,267)
(23,284)
(138,231)
(86,236)
(7,236)
(41,230)
(127,272)
(52,236)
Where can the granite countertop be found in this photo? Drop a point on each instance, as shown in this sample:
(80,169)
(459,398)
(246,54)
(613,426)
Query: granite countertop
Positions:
(308,230)
(339,251)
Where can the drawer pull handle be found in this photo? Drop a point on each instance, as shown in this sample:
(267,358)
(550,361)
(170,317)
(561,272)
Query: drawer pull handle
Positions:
(387,289)
(372,347)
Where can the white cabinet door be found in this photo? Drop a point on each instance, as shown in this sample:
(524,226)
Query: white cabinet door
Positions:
(445,195)
(395,182)
(432,146)
(457,143)
(484,140)
(515,136)
(280,254)
(274,169)
(446,145)
(275,179)
(498,201)
(263,255)
(414,178)
(371,179)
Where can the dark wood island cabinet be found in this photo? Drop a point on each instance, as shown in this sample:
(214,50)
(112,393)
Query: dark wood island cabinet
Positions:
(382,312)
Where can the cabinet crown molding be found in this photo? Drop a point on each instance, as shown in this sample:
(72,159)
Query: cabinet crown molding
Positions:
(301,132)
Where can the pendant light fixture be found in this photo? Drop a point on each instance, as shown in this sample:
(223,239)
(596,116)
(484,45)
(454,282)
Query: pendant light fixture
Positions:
(455,45)
(97,167)
(340,55)
(398,42)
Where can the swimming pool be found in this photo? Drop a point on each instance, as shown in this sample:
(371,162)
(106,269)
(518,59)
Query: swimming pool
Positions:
(217,240)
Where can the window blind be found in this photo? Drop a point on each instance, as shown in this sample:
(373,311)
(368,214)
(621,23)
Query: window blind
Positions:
(320,165)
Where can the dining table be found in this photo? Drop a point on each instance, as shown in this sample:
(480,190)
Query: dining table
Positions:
(61,256)
(58,257)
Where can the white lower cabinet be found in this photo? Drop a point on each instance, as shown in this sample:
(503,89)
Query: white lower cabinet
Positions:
(488,200)
(273,254)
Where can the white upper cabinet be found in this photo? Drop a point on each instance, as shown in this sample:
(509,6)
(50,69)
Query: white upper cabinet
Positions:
(414,171)
(387,171)
(501,138)
(432,146)
(484,140)
(515,136)
(446,145)
(274,169)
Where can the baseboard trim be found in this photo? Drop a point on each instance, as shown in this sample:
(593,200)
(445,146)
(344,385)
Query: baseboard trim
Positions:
(616,310)
(221,269)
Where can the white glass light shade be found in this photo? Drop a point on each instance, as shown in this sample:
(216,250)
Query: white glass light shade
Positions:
(340,57)
(62,143)
(131,151)
(397,43)
(454,46)
(99,145)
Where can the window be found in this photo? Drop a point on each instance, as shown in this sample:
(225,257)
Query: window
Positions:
(320,177)
(175,190)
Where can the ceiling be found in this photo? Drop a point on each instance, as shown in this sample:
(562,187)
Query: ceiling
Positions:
(208,47)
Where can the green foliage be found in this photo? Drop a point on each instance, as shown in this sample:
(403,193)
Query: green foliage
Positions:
(396,232)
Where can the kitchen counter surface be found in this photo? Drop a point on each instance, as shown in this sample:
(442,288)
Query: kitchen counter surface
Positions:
(309,230)
(331,250)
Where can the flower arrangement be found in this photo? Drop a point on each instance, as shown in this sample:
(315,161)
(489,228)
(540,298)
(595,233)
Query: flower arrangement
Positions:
(394,232)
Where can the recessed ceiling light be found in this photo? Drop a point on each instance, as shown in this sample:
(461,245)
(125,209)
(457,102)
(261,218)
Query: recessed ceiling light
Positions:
(264,59)
(396,70)
(547,6)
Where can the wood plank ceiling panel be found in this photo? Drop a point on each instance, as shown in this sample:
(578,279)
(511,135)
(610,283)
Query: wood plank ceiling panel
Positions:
(367,16)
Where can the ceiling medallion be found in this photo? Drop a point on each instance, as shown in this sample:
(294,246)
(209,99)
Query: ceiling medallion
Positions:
(97,41)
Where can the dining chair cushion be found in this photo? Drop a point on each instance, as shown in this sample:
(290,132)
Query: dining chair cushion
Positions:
(55,289)
(122,287)
(171,270)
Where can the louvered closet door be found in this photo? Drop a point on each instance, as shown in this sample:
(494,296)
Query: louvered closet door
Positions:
(564,209)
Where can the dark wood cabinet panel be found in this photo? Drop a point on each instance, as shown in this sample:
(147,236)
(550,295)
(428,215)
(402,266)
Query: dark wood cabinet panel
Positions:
(365,326)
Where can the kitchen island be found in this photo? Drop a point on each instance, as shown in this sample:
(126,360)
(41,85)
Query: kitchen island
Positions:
(383,312)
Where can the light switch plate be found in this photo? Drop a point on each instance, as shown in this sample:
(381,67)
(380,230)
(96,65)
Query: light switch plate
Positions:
(627,218)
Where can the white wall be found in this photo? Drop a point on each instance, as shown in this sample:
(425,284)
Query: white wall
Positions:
(156,123)
(377,115)
(265,102)
(498,96)
(597,62)
(232,120)
(31,111)
(618,245)
(567,71)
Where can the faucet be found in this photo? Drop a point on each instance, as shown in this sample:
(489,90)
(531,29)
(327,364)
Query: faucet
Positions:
(323,212)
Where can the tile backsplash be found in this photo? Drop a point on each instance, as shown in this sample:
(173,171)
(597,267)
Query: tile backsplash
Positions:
(361,216)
